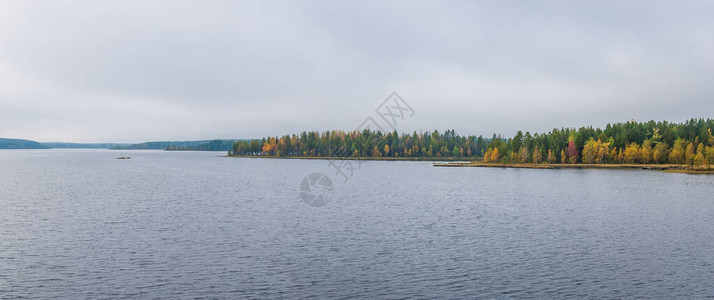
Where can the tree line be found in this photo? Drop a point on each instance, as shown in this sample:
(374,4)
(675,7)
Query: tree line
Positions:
(690,142)
(365,143)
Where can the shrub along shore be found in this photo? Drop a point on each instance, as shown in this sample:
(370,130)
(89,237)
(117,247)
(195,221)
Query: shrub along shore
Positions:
(661,167)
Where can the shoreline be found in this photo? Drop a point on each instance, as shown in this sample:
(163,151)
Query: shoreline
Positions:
(672,168)
(461,162)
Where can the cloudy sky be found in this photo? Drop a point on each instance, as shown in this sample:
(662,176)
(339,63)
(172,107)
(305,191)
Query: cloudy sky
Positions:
(131,71)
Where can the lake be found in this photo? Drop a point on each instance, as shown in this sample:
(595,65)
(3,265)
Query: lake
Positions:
(82,224)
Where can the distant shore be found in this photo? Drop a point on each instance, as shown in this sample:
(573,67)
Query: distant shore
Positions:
(664,167)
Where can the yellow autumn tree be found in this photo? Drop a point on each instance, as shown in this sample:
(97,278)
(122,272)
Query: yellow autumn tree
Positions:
(512,157)
(632,153)
(386,150)
(601,151)
(612,157)
(551,158)
(597,151)
(660,153)
(689,154)
(494,155)
(700,158)
(563,158)
(523,156)
(487,155)
(269,146)
(589,151)
(710,156)
(646,152)
(620,156)
(537,158)
(676,155)
(375,152)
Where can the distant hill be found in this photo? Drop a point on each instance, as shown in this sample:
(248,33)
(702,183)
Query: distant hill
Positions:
(205,145)
(83,145)
(214,145)
(159,145)
(20,144)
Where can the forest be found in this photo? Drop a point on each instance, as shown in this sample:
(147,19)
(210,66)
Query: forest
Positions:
(632,142)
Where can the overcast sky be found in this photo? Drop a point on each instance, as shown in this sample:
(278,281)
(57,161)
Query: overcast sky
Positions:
(132,71)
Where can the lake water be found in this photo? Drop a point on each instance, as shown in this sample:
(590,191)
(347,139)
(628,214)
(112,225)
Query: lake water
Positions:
(82,224)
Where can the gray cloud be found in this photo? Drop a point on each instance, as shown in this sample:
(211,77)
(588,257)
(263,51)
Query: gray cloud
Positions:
(146,70)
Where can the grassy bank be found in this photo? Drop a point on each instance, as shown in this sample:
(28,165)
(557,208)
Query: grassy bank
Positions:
(692,171)
(663,167)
